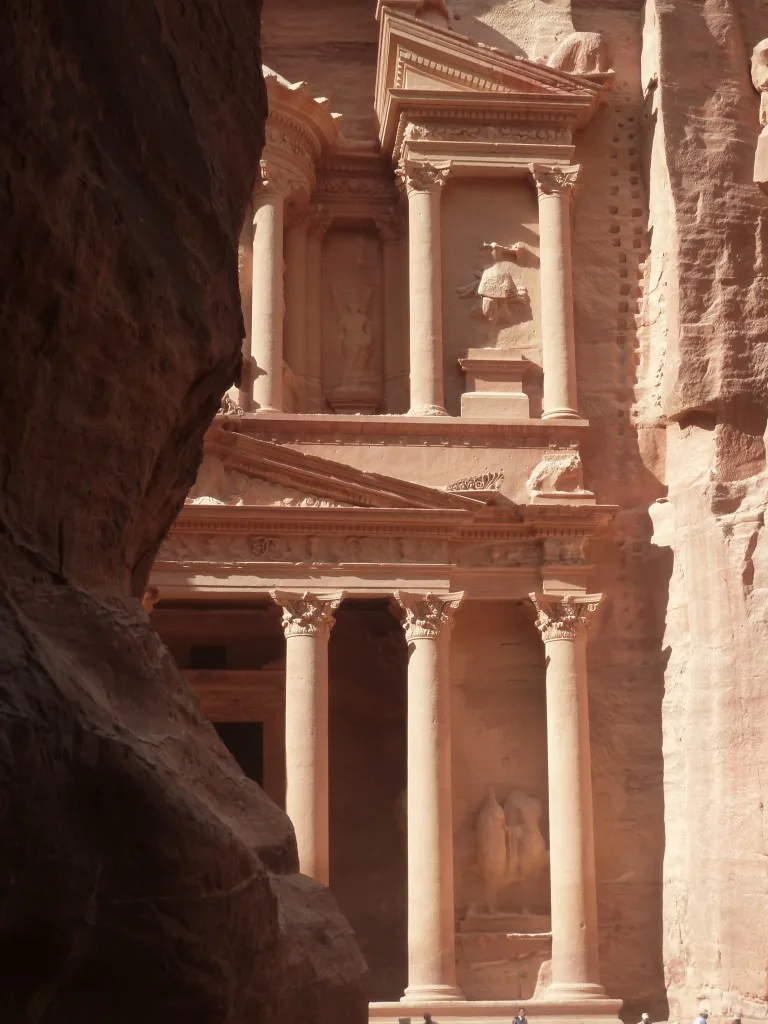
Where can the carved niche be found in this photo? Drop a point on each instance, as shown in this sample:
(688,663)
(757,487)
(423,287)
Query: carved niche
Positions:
(511,850)
(352,320)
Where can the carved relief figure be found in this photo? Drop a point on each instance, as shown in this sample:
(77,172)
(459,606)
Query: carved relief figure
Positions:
(355,333)
(760,82)
(581,53)
(510,845)
(497,288)
(560,472)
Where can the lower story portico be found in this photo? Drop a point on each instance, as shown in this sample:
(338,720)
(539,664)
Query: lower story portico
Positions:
(412,663)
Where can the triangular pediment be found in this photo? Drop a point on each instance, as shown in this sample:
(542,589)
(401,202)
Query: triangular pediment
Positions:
(245,471)
(419,55)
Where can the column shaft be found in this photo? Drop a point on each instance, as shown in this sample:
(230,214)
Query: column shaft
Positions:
(307,621)
(431,925)
(424,184)
(575,954)
(296,303)
(267,302)
(555,186)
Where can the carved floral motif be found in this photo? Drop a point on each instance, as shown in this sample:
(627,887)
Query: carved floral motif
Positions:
(490,481)
(306,614)
(563,618)
(422,177)
(427,615)
(553,180)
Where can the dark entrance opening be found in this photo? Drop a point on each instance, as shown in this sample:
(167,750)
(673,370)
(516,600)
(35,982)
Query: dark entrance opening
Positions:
(245,742)
(368,662)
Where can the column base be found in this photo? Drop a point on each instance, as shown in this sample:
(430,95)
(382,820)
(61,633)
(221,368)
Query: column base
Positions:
(575,991)
(427,410)
(427,994)
(563,413)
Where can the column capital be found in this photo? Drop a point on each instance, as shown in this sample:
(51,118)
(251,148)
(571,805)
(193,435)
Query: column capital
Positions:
(422,177)
(563,617)
(427,616)
(274,182)
(551,179)
(306,614)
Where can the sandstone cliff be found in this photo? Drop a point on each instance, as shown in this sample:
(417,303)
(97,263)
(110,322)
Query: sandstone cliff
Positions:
(141,875)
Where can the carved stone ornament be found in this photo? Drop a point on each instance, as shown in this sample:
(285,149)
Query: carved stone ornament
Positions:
(427,616)
(759,70)
(490,481)
(275,181)
(560,471)
(449,132)
(229,407)
(581,53)
(424,177)
(305,614)
(149,599)
(495,287)
(552,180)
(563,618)
(510,844)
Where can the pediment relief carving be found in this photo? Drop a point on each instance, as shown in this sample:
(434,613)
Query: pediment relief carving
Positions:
(217,485)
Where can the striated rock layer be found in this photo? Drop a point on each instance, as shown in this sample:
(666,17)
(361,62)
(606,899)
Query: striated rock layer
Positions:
(141,875)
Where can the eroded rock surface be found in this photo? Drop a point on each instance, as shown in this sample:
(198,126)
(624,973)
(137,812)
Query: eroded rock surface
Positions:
(141,876)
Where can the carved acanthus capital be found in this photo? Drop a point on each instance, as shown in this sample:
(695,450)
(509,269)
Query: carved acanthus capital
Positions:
(305,614)
(563,617)
(275,181)
(552,180)
(427,616)
(422,177)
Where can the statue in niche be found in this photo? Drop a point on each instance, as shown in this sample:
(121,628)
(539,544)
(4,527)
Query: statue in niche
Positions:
(496,287)
(510,845)
(355,334)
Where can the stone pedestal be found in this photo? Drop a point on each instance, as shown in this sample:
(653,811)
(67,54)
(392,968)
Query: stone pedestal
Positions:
(554,186)
(500,955)
(562,622)
(431,927)
(307,622)
(495,384)
(423,185)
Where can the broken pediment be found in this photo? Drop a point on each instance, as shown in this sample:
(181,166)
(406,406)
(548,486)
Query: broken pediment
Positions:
(240,470)
(421,63)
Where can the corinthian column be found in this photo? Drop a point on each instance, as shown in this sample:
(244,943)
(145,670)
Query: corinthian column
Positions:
(555,186)
(423,185)
(562,622)
(307,622)
(431,926)
(267,306)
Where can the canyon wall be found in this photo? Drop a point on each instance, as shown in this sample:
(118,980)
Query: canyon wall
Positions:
(702,393)
(142,875)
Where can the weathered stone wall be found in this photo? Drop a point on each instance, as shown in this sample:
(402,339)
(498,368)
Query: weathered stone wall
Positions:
(142,876)
(705,381)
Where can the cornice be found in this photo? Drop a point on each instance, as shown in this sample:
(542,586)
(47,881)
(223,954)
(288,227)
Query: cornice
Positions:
(443,431)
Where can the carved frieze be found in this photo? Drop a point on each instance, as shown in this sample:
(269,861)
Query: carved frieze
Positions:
(502,554)
(445,131)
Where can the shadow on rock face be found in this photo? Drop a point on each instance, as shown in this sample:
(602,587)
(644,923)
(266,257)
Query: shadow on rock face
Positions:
(141,875)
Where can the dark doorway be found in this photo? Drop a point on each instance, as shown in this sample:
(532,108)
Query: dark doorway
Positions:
(367,733)
(245,742)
